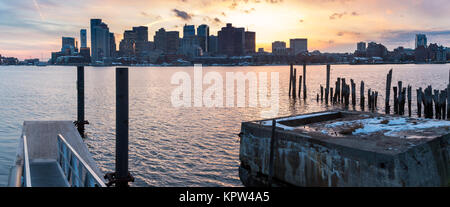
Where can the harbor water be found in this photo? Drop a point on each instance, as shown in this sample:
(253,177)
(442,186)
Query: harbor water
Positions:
(171,146)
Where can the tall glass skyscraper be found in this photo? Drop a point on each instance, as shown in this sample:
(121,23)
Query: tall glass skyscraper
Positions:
(100,40)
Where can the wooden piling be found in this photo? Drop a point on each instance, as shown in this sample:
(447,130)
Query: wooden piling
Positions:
(436,103)
(80,100)
(353,92)
(304,81)
(361,94)
(388,91)
(443,103)
(299,85)
(321,93)
(409,100)
(294,83)
(290,79)
(327,89)
(331,96)
(395,100)
(122,110)
(419,102)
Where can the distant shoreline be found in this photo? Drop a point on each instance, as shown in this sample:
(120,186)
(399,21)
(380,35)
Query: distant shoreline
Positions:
(246,65)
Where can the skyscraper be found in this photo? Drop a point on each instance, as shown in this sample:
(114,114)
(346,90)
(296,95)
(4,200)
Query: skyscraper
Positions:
(188,30)
(250,42)
(299,45)
(83,38)
(231,40)
(203,35)
(167,41)
(160,40)
(100,40)
(421,40)
(172,42)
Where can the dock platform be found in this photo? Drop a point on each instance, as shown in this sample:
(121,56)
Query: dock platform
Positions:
(344,148)
(57,157)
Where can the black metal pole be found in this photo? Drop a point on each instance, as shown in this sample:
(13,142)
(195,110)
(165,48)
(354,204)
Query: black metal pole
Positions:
(80,100)
(122,127)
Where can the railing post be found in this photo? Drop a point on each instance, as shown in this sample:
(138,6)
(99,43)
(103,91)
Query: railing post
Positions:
(80,100)
(122,127)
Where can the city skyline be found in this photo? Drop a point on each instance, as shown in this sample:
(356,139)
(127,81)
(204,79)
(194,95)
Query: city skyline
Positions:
(329,26)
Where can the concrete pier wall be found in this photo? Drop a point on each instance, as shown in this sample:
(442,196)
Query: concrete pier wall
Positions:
(302,160)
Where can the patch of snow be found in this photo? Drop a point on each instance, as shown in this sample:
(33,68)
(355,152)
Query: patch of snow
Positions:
(394,125)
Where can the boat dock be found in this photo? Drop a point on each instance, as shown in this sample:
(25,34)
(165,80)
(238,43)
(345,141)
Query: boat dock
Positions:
(53,154)
(345,148)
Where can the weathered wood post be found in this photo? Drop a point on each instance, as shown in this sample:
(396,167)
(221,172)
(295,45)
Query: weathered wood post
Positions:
(436,103)
(294,84)
(342,90)
(361,94)
(369,99)
(299,85)
(80,101)
(338,91)
(290,79)
(304,81)
(272,153)
(403,101)
(375,99)
(419,102)
(442,99)
(122,176)
(327,89)
(388,91)
(321,93)
(395,100)
(353,92)
(409,100)
(331,96)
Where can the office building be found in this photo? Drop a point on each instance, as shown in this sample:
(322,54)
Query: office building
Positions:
(421,40)
(250,42)
(213,45)
(376,50)
(298,46)
(83,38)
(100,40)
(167,41)
(203,35)
(279,48)
(361,47)
(68,46)
(231,41)
(188,30)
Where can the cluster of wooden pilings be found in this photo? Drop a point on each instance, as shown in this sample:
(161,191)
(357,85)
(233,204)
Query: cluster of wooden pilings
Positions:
(293,82)
(342,93)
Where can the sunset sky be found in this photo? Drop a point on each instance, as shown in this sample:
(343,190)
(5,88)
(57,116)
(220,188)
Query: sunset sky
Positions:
(33,28)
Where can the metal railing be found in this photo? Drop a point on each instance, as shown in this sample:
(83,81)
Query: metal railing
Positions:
(26,176)
(76,170)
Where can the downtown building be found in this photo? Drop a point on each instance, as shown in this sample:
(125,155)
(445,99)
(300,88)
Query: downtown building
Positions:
(135,44)
(102,41)
(167,42)
(298,46)
(279,48)
(190,43)
(231,41)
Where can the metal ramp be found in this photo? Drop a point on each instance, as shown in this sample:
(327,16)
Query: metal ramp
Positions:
(47,173)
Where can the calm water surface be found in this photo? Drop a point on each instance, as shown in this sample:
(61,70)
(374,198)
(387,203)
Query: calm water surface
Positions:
(169,146)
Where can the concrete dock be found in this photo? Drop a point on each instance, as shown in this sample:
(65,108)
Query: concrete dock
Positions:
(44,158)
(341,148)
